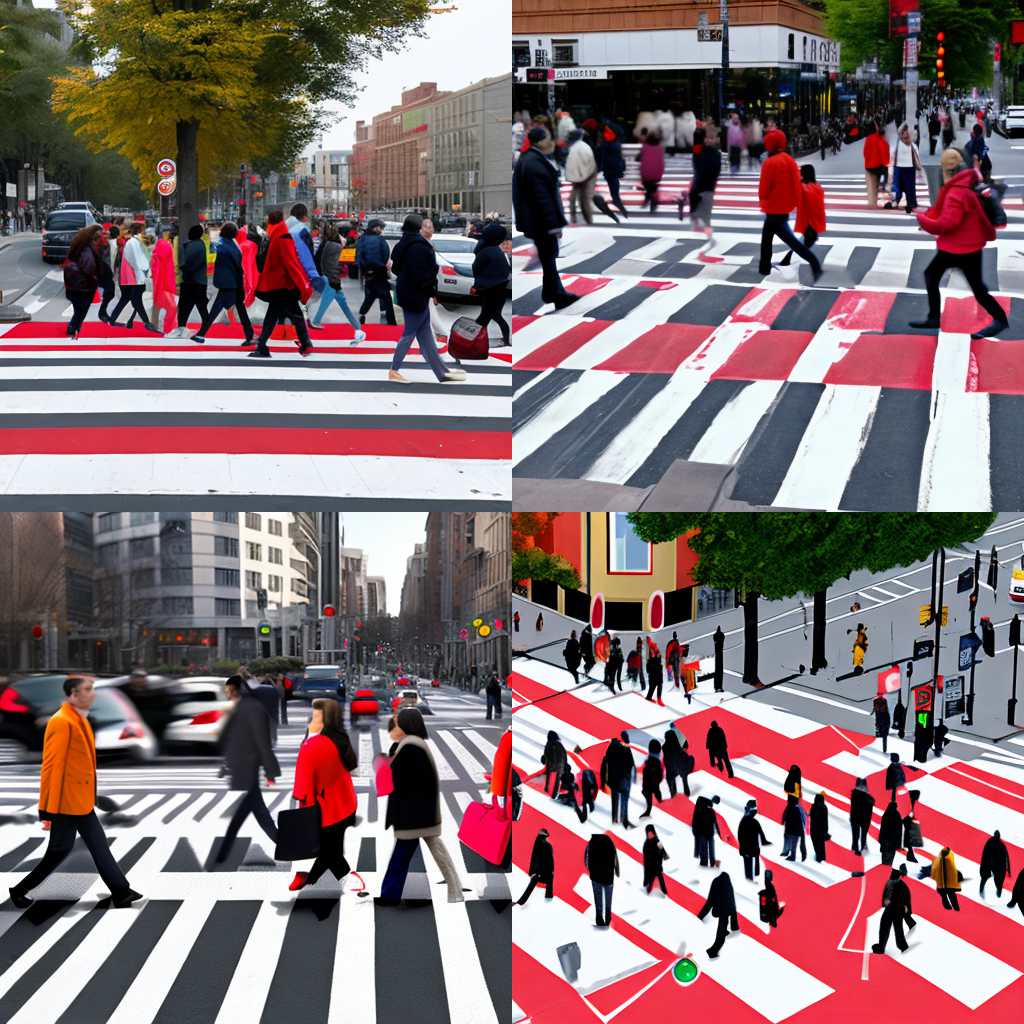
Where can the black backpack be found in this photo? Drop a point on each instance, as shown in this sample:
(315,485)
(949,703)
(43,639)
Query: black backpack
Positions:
(990,195)
(261,252)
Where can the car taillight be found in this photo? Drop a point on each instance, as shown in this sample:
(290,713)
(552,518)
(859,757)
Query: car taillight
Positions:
(206,718)
(288,683)
(132,732)
(10,700)
(450,271)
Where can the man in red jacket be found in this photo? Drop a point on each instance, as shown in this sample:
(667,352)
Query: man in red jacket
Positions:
(283,283)
(779,194)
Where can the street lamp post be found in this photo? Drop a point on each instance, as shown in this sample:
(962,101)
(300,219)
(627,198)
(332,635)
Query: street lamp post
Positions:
(938,576)
(725,60)
(1011,704)
(968,718)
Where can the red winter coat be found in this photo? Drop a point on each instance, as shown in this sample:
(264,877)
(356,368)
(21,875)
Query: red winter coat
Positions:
(876,151)
(957,217)
(652,161)
(779,186)
(320,775)
(282,270)
(811,208)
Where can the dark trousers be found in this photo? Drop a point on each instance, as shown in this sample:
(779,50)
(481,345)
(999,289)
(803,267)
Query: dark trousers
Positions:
(970,264)
(613,191)
(63,830)
(651,194)
(810,237)
(932,140)
(949,899)
(722,763)
(251,802)
(723,928)
(860,836)
(670,778)
(704,849)
(377,289)
(751,865)
(332,852)
(777,225)
(493,702)
(283,708)
(654,794)
(998,877)
(80,302)
(906,182)
(107,287)
(191,296)
(226,299)
(492,302)
(660,879)
(131,293)
(654,688)
(620,801)
(551,287)
(283,305)
(535,880)
(398,869)
(892,917)
(818,842)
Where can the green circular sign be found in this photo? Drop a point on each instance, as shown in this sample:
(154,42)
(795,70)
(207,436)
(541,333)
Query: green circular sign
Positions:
(685,971)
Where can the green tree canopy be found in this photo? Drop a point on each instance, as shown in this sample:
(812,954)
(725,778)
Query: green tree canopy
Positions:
(535,564)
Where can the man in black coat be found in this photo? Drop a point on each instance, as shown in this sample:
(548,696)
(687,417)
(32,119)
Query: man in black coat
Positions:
(587,648)
(247,748)
(721,903)
(602,861)
(572,656)
(542,868)
(617,772)
(718,749)
(704,825)
(493,691)
(539,214)
(995,862)
(895,908)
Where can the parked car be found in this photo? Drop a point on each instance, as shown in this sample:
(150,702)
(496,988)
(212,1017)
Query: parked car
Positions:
(60,227)
(1013,121)
(1017,585)
(316,681)
(200,720)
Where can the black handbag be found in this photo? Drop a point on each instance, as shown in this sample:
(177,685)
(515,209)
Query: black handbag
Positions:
(298,833)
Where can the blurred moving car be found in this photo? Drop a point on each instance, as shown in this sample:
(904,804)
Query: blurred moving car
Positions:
(316,681)
(1013,121)
(368,701)
(156,697)
(409,697)
(200,720)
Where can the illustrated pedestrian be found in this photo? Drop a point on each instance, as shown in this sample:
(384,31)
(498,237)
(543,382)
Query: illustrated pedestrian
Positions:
(906,162)
(768,900)
(912,837)
(899,713)
(653,774)
(962,231)
(542,868)
(819,827)
(995,863)
(229,280)
(414,808)
(793,784)
(247,748)
(860,647)
(947,879)
(67,796)
(540,622)
(611,163)
(655,674)
(779,195)
(876,162)
(373,257)
(602,862)
(890,833)
(652,167)
(750,837)
(735,140)
(633,662)
(941,731)
(617,771)
(581,173)
(794,821)
(567,790)
(672,660)
(894,911)
(192,293)
(515,621)
(553,759)
(328,262)
(654,861)
(862,805)
(493,691)
(492,274)
(1017,894)
(810,211)
(588,789)
(718,749)
(704,825)
(613,667)
(571,656)
(133,275)
(323,776)
(677,762)
(587,649)
(539,216)
(895,774)
(721,903)
(82,274)
(882,720)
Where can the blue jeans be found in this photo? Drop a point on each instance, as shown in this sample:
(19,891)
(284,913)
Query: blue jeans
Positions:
(335,295)
(398,869)
(417,325)
(602,901)
(620,801)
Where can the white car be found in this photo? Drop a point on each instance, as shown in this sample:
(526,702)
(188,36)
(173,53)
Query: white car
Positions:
(1017,585)
(201,719)
(1013,120)
(454,264)
(118,727)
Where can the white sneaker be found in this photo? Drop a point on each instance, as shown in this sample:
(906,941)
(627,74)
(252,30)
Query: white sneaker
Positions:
(360,336)
(178,332)
(454,375)
(315,327)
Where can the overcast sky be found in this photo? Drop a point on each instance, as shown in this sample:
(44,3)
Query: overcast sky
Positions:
(388,538)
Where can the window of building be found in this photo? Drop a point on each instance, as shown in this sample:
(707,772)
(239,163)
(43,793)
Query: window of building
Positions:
(299,587)
(176,605)
(274,527)
(627,553)
(225,546)
(275,556)
(226,577)
(176,575)
(106,555)
(253,520)
(143,547)
(274,583)
(254,551)
(563,52)
(520,59)
(678,605)
(230,606)
(544,592)
(254,580)
(225,517)
(108,521)
(141,518)
(143,578)
(577,605)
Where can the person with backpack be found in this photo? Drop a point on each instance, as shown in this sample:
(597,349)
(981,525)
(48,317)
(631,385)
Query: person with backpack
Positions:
(976,151)
(654,861)
(768,901)
(810,211)
(82,274)
(229,280)
(192,294)
(653,773)
(133,274)
(373,257)
(962,228)
(492,274)
(327,260)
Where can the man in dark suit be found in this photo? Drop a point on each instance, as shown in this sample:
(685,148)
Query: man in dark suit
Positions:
(721,903)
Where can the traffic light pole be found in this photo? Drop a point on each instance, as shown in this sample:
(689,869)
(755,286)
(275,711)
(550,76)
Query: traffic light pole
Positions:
(968,718)
(938,576)
(1011,704)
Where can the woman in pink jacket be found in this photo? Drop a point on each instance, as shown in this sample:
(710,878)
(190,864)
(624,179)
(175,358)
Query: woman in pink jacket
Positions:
(652,167)
(165,289)
(249,271)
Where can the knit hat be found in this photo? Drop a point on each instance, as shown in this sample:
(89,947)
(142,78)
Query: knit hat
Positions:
(775,140)
(951,159)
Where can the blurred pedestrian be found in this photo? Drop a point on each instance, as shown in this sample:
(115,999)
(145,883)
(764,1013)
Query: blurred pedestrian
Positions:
(906,162)
(655,674)
(280,684)
(654,861)
(493,691)
(707,166)
(613,667)
(810,211)
(581,173)
(770,908)
(652,168)
(653,774)
(192,294)
(890,832)
(328,262)
(794,822)
(995,863)
(571,655)
(735,140)
(587,649)
(492,275)
(860,647)
(718,749)
(373,257)
(617,774)
(819,827)
(876,162)
(165,288)
(553,758)
(82,274)
(133,275)
(676,762)
(882,720)
(947,879)
(893,914)
(862,805)
(611,163)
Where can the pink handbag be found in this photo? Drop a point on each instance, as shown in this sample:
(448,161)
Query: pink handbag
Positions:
(384,783)
(486,830)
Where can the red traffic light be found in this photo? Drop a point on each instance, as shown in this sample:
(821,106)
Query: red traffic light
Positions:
(328,611)
(37,631)
(941,36)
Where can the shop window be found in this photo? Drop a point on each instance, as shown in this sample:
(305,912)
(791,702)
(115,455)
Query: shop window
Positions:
(678,605)
(577,605)
(792,45)
(563,53)
(545,592)
(624,615)
(520,55)
(627,553)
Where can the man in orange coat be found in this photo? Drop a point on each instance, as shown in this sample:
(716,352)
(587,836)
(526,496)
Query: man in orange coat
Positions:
(779,194)
(67,797)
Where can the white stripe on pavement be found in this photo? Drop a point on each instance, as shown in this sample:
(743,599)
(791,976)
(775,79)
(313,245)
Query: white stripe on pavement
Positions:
(353,994)
(250,984)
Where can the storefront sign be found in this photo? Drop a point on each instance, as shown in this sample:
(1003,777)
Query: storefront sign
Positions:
(709,35)
(572,74)
(954,697)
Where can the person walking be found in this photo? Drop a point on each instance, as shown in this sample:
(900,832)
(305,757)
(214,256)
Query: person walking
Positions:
(67,796)
(492,274)
(323,776)
(894,910)
(940,741)
(876,161)
(1017,893)
(415,265)
(611,163)
(906,162)
(493,691)
(862,805)
(247,240)
(912,837)
(617,774)
(246,742)
(601,859)
(542,868)
(794,821)
(82,274)
(707,167)
(581,173)
(652,167)
(934,128)
(735,140)
(860,647)
(962,231)
(571,655)
(414,808)
(882,720)
(793,783)
(192,294)
(165,285)
(634,661)
(328,262)
(539,624)
(553,759)
(672,660)
(704,825)
(655,674)
(810,211)
(890,832)
(132,275)
(229,280)
(899,715)
(587,649)
(613,667)
(768,899)
(947,879)
(373,258)
(896,775)
(106,251)
(995,863)
(750,837)
(282,696)
(653,774)
(654,861)
(819,827)
(538,211)
(721,904)
(515,621)
(718,749)
(779,195)
(676,763)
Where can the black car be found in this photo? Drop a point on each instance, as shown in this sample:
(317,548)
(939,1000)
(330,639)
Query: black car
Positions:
(61,226)
(317,681)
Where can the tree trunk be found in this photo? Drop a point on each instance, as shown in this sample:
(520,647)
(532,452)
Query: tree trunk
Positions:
(750,638)
(188,176)
(818,659)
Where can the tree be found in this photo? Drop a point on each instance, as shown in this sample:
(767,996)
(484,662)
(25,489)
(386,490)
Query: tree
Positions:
(781,554)
(529,562)
(220,82)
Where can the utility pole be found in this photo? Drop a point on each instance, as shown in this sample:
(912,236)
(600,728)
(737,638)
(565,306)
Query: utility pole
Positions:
(968,718)
(724,74)
(939,576)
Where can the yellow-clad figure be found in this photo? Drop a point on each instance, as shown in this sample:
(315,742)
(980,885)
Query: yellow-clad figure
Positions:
(860,646)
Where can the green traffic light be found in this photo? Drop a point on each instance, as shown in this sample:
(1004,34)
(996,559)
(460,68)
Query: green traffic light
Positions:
(685,971)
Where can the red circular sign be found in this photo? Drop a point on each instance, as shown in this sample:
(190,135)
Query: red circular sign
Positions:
(166,167)
(37,631)
(166,186)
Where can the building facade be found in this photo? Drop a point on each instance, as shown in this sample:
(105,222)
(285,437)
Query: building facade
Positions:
(376,597)
(331,181)
(353,583)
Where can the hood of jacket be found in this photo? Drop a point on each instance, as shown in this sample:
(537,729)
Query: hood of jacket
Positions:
(493,234)
(278,229)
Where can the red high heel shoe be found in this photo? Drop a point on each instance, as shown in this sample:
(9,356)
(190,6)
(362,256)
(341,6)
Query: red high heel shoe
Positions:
(299,880)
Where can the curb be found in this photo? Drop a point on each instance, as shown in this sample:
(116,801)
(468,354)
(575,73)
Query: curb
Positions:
(11,314)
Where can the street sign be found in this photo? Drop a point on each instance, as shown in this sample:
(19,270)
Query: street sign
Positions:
(166,167)
(166,186)
(889,680)
(924,617)
(913,22)
(965,581)
(969,643)
(923,649)
(923,697)
(954,697)
(709,35)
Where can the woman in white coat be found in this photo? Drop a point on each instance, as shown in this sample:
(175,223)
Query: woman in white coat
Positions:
(134,273)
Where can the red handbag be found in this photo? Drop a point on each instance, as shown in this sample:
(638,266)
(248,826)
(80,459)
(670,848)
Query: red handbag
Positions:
(486,830)
(468,340)
(384,782)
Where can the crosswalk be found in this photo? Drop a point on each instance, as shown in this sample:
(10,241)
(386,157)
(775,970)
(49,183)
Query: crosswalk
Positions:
(762,973)
(130,412)
(814,397)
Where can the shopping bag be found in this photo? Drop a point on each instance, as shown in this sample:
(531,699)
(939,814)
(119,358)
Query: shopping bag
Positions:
(298,833)
(486,830)
(382,775)
(467,339)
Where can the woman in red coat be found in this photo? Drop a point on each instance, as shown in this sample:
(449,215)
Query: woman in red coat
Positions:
(322,774)
(810,210)
(962,229)
(283,283)
(876,162)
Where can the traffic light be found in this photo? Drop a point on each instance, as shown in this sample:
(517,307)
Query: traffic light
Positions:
(263,629)
(37,632)
(988,636)
(940,58)
(328,611)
